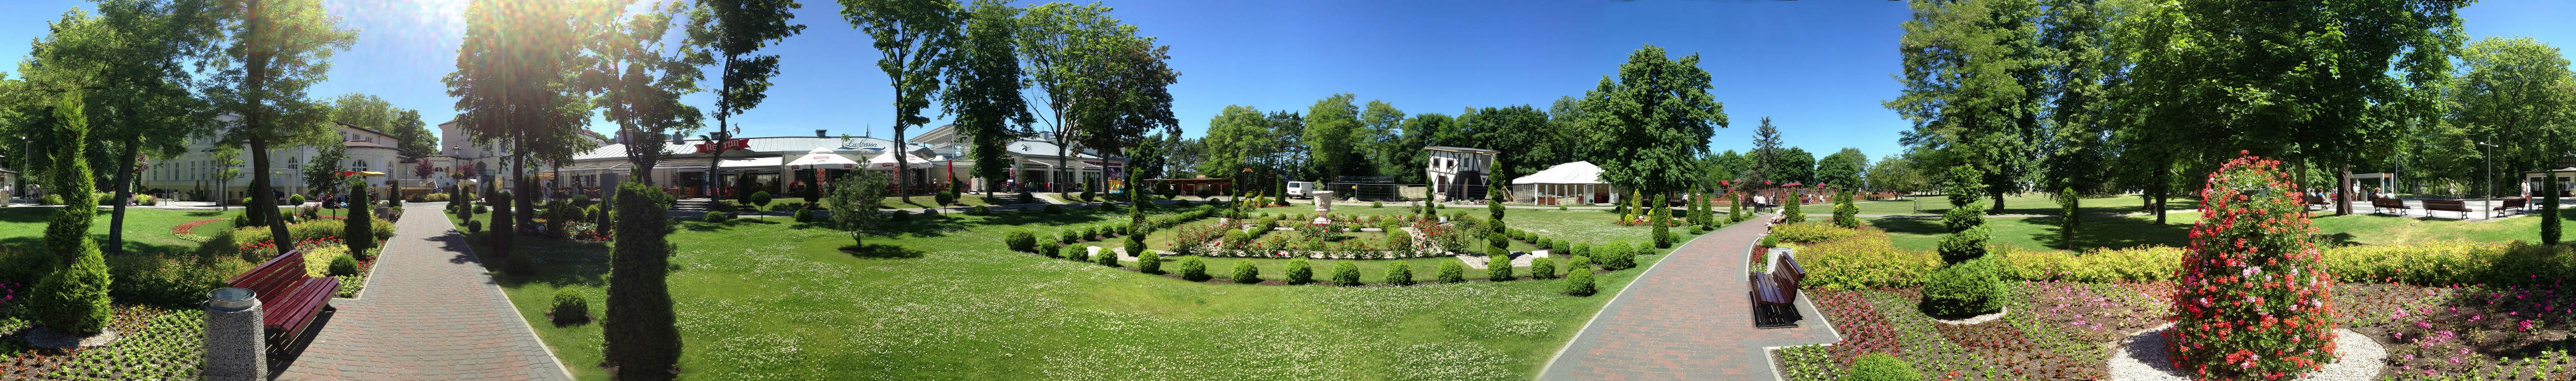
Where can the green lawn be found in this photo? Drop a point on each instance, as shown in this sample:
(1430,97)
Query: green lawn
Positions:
(2358,228)
(145,229)
(773,299)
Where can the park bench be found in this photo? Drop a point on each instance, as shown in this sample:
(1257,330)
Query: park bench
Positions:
(2390,205)
(2455,206)
(289,299)
(2313,201)
(2514,203)
(1775,294)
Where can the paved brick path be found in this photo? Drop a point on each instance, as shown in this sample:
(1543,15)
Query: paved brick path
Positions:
(430,312)
(1688,318)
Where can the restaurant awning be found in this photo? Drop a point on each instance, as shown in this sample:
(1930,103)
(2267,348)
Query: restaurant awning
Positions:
(763,162)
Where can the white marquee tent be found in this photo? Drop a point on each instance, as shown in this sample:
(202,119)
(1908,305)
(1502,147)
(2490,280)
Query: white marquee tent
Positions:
(1576,183)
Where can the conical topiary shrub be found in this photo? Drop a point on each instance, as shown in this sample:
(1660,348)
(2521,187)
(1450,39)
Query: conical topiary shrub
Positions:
(2253,301)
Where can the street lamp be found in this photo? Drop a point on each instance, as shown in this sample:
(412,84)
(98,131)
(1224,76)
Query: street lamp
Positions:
(2490,156)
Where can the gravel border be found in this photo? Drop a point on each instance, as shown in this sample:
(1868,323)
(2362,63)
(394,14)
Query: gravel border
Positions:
(1973,320)
(2143,358)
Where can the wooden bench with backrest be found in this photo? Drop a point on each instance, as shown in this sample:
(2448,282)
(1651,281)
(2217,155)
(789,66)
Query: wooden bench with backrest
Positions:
(2455,206)
(2390,205)
(2314,201)
(289,299)
(1775,294)
(2514,203)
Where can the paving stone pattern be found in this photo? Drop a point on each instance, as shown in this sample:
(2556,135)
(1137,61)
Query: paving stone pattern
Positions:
(430,312)
(1688,318)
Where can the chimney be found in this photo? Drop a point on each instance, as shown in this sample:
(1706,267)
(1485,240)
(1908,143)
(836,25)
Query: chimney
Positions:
(819,133)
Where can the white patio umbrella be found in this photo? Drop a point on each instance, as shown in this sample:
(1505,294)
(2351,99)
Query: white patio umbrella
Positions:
(822,158)
(886,161)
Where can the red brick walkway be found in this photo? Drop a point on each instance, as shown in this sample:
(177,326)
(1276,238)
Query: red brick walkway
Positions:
(430,312)
(1688,318)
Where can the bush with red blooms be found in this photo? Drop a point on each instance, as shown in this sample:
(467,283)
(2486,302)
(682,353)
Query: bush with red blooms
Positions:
(2254,301)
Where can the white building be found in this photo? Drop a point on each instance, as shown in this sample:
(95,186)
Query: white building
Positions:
(683,171)
(487,158)
(196,176)
(1458,173)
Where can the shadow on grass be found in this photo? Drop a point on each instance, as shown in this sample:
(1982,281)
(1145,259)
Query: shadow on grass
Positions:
(881,251)
(557,263)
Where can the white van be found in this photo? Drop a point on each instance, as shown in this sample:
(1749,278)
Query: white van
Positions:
(1298,189)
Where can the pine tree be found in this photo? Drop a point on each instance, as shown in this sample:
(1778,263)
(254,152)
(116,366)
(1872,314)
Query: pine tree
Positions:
(73,297)
(359,234)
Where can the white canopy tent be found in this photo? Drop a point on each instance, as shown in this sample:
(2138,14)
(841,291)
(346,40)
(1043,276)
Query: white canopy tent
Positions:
(886,161)
(822,158)
(1576,183)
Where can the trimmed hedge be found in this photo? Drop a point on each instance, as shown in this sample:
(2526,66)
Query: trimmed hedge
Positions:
(1579,282)
(1246,273)
(1020,240)
(570,308)
(1194,270)
(1498,269)
(1106,258)
(1149,263)
(1811,232)
(1300,271)
(1452,271)
(1865,261)
(1967,289)
(1400,274)
(1346,274)
(1542,268)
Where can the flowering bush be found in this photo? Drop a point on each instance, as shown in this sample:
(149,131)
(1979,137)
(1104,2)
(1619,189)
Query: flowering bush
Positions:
(2252,301)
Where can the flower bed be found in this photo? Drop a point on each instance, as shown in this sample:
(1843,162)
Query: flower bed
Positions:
(157,344)
(2059,330)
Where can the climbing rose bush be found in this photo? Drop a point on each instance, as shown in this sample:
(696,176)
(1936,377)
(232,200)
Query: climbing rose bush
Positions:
(2252,300)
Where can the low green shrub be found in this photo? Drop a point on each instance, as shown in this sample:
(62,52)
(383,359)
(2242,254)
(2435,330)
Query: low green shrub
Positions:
(713,216)
(1881,367)
(344,265)
(1770,241)
(1810,232)
(1194,270)
(900,215)
(1498,268)
(1542,268)
(1616,256)
(2447,263)
(1020,240)
(1300,272)
(1578,262)
(1452,271)
(1149,263)
(1967,289)
(1052,250)
(1868,260)
(1579,282)
(804,215)
(55,199)
(1375,204)
(570,308)
(1345,273)
(2137,264)
(1106,258)
(1136,244)
(1246,273)
(1053,209)
(979,210)
(1400,274)
(1069,236)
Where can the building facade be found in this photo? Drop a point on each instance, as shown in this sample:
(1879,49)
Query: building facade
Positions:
(196,175)
(1458,173)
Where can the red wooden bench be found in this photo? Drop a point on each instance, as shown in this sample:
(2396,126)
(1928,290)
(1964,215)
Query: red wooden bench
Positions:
(2390,205)
(2455,206)
(2514,203)
(1775,294)
(289,300)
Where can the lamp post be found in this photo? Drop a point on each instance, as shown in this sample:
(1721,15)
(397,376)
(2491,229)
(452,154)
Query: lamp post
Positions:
(2490,177)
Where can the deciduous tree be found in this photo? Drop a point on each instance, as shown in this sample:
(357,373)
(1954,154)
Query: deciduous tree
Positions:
(279,48)
(984,90)
(915,39)
(1660,111)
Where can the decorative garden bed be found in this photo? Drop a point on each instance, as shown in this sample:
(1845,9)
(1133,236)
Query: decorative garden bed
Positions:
(156,344)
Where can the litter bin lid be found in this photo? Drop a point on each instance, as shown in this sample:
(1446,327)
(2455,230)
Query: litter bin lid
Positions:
(229,297)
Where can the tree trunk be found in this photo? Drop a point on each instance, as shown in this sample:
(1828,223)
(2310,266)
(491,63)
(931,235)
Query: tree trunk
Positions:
(263,206)
(2343,192)
(522,199)
(124,176)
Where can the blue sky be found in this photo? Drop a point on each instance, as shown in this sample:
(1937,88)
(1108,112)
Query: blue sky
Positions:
(1818,68)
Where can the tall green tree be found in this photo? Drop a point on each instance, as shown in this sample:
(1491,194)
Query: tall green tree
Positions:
(1332,134)
(733,32)
(523,81)
(1237,138)
(648,74)
(984,90)
(371,112)
(322,171)
(136,59)
(279,49)
(2078,35)
(1971,86)
(2514,93)
(1064,47)
(1842,169)
(916,39)
(1766,152)
(1129,99)
(73,296)
(1383,149)
(1662,114)
(1521,130)
(1792,165)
